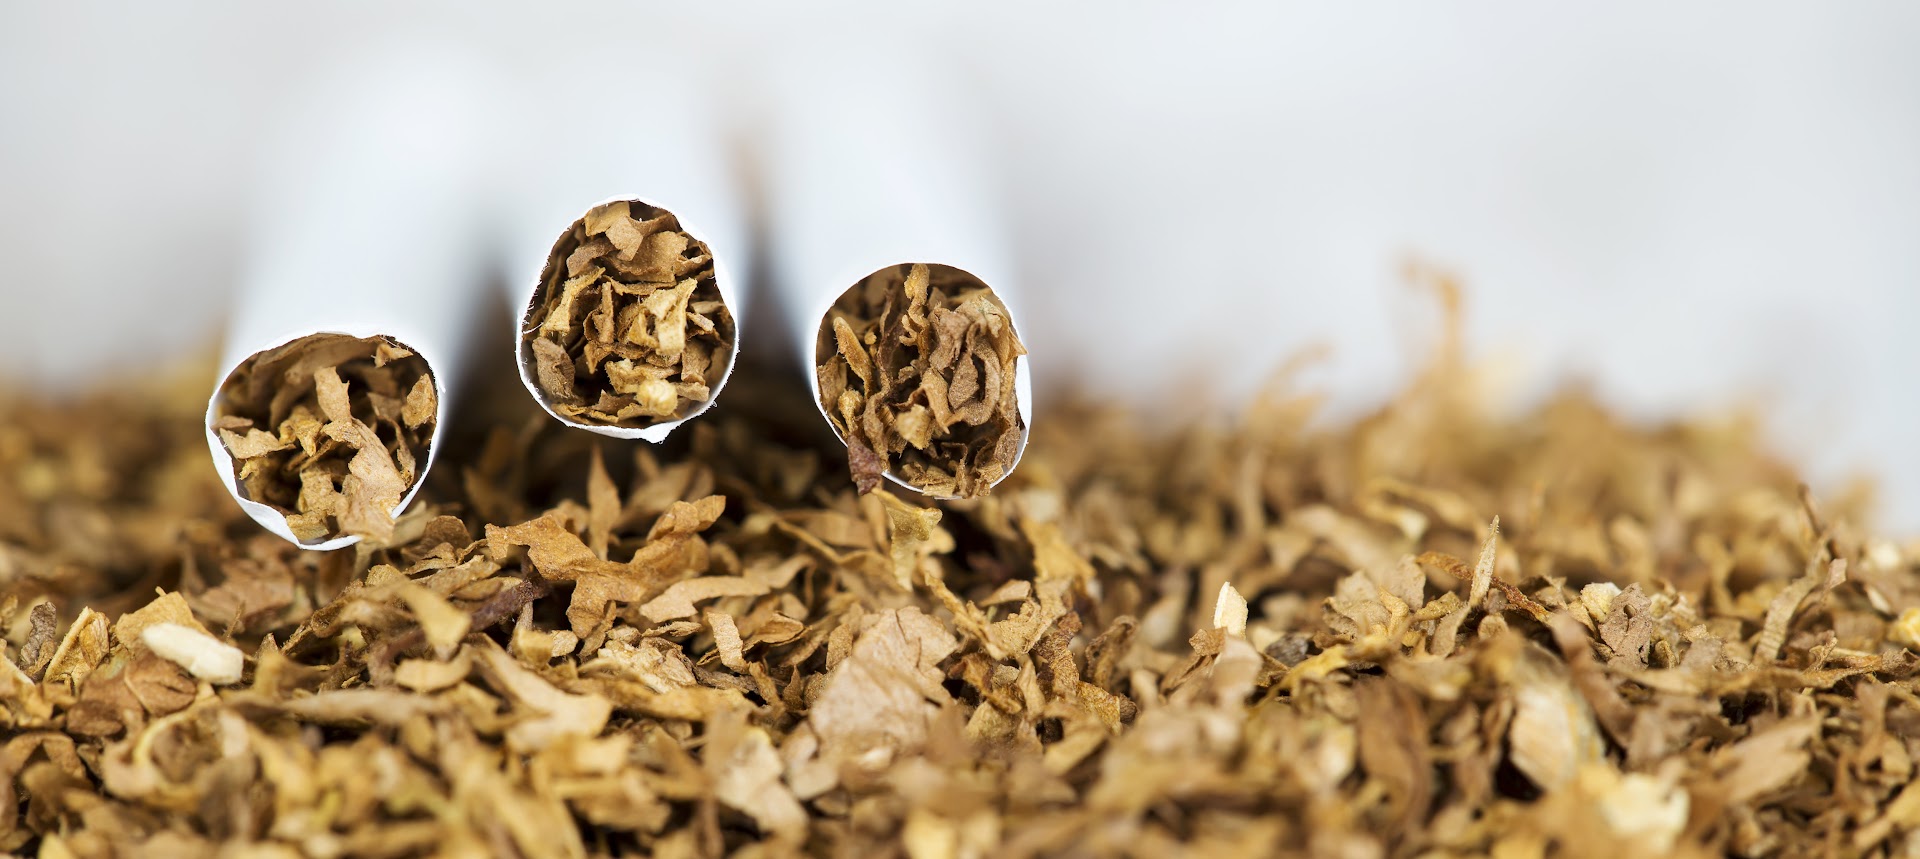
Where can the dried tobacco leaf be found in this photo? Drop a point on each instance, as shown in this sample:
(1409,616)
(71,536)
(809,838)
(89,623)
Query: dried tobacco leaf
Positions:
(880,700)
(916,365)
(331,431)
(84,646)
(628,327)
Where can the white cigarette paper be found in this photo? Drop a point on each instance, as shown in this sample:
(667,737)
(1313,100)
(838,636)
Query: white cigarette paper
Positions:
(658,149)
(869,166)
(367,225)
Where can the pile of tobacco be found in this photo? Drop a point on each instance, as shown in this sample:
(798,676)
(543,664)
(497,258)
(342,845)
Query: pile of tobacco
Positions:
(1438,630)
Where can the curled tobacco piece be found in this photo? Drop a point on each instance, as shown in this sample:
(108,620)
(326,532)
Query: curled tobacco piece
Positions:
(916,365)
(628,327)
(330,430)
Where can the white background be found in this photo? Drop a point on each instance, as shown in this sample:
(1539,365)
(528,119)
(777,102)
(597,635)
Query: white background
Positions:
(1689,208)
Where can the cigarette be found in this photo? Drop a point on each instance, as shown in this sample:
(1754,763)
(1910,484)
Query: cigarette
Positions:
(630,325)
(893,277)
(356,300)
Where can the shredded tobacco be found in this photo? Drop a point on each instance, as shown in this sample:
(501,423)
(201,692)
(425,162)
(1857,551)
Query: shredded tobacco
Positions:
(1255,637)
(916,370)
(628,328)
(330,430)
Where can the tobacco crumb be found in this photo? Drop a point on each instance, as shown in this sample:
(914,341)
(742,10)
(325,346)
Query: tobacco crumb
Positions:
(1269,636)
(42,636)
(330,430)
(627,328)
(916,365)
(867,467)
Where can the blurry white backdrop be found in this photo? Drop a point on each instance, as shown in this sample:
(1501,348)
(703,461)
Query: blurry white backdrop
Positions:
(1690,207)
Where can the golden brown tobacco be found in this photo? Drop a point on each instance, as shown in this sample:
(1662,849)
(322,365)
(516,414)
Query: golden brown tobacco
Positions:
(1248,638)
(628,328)
(916,370)
(330,430)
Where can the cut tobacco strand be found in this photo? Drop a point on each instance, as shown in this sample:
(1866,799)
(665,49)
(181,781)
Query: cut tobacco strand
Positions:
(330,431)
(355,301)
(915,367)
(629,328)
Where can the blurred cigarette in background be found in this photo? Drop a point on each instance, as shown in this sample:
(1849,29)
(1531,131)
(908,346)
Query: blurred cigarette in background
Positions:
(362,277)
(893,272)
(629,311)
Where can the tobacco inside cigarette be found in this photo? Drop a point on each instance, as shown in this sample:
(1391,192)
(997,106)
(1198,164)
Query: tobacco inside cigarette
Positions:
(627,327)
(916,365)
(329,430)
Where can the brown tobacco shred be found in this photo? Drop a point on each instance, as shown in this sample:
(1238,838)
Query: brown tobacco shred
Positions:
(330,430)
(1253,638)
(628,328)
(918,377)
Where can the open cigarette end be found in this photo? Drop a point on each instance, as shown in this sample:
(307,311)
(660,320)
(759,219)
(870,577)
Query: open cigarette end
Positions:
(627,327)
(916,365)
(330,430)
